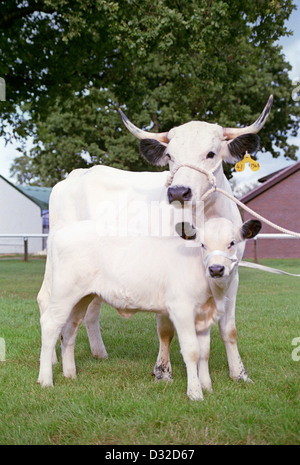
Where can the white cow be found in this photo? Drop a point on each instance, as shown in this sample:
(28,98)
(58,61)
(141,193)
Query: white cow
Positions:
(93,194)
(165,276)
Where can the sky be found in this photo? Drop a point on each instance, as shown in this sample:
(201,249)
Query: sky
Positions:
(291,49)
(268,164)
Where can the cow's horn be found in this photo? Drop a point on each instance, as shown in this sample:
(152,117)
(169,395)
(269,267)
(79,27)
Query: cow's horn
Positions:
(254,128)
(140,134)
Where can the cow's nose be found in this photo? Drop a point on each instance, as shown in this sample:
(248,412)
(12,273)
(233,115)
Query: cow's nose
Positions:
(216,271)
(179,193)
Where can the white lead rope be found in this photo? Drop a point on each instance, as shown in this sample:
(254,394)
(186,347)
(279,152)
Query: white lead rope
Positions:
(209,174)
(212,180)
(249,210)
(234,261)
(256,266)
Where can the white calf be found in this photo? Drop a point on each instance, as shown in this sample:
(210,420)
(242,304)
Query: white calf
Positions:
(143,273)
(220,239)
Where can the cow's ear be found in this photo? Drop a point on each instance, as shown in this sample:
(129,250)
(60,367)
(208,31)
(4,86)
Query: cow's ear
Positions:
(154,152)
(250,229)
(240,145)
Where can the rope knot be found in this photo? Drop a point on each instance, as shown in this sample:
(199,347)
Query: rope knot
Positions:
(212,180)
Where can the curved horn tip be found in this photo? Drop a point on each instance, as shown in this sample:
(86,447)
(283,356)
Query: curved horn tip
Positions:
(123,116)
(259,123)
(140,133)
(270,101)
(231,133)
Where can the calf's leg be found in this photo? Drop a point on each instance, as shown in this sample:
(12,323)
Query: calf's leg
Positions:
(203,368)
(68,336)
(52,322)
(228,332)
(184,322)
(43,298)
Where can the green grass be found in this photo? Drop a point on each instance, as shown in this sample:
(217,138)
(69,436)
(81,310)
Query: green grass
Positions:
(117,401)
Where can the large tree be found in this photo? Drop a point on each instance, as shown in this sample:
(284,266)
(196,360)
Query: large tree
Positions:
(69,64)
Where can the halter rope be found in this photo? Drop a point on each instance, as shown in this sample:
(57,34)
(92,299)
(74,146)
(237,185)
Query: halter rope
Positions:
(212,180)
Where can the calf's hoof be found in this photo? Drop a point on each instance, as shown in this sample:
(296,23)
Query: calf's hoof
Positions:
(195,393)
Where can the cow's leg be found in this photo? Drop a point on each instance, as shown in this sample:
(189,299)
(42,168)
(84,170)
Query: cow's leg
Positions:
(184,322)
(91,322)
(52,322)
(68,336)
(165,331)
(228,332)
(203,368)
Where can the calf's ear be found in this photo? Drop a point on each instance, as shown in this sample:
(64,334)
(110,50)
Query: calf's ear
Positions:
(250,229)
(154,152)
(237,148)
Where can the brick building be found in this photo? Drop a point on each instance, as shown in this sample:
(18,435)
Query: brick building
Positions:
(278,200)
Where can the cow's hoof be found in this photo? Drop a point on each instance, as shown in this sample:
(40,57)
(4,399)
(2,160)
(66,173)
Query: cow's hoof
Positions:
(44,383)
(162,373)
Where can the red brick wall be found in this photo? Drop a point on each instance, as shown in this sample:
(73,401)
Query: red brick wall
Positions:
(281,205)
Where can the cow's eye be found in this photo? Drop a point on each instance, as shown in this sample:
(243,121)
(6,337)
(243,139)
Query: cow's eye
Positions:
(203,246)
(210,155)
(168,156)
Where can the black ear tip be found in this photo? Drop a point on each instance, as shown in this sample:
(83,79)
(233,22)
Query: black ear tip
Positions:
(152,150)
(145,143)
(256,225)
(245,143)
(186,231)
(251,228)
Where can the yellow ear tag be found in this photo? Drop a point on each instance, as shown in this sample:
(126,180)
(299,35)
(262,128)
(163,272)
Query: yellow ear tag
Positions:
(254,165)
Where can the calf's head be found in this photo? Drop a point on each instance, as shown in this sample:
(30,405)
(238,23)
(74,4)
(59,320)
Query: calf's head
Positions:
(219,244)
(199,144)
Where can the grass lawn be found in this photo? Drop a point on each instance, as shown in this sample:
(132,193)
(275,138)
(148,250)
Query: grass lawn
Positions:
(117,401)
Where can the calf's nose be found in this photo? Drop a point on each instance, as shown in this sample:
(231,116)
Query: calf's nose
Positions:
(216,271)
(179,193)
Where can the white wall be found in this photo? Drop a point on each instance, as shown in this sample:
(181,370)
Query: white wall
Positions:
(18,215)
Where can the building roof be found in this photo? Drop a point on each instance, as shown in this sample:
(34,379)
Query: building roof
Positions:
(38,195)
(270,180)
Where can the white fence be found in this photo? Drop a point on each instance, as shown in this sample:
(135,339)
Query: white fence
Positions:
(24,240)
(269,236)
(26,237)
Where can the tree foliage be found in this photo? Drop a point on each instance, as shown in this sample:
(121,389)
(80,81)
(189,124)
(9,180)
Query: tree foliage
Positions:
(69,65)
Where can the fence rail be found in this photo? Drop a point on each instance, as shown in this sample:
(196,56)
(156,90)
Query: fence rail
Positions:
(255,239)
(269,236)
(25,238)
